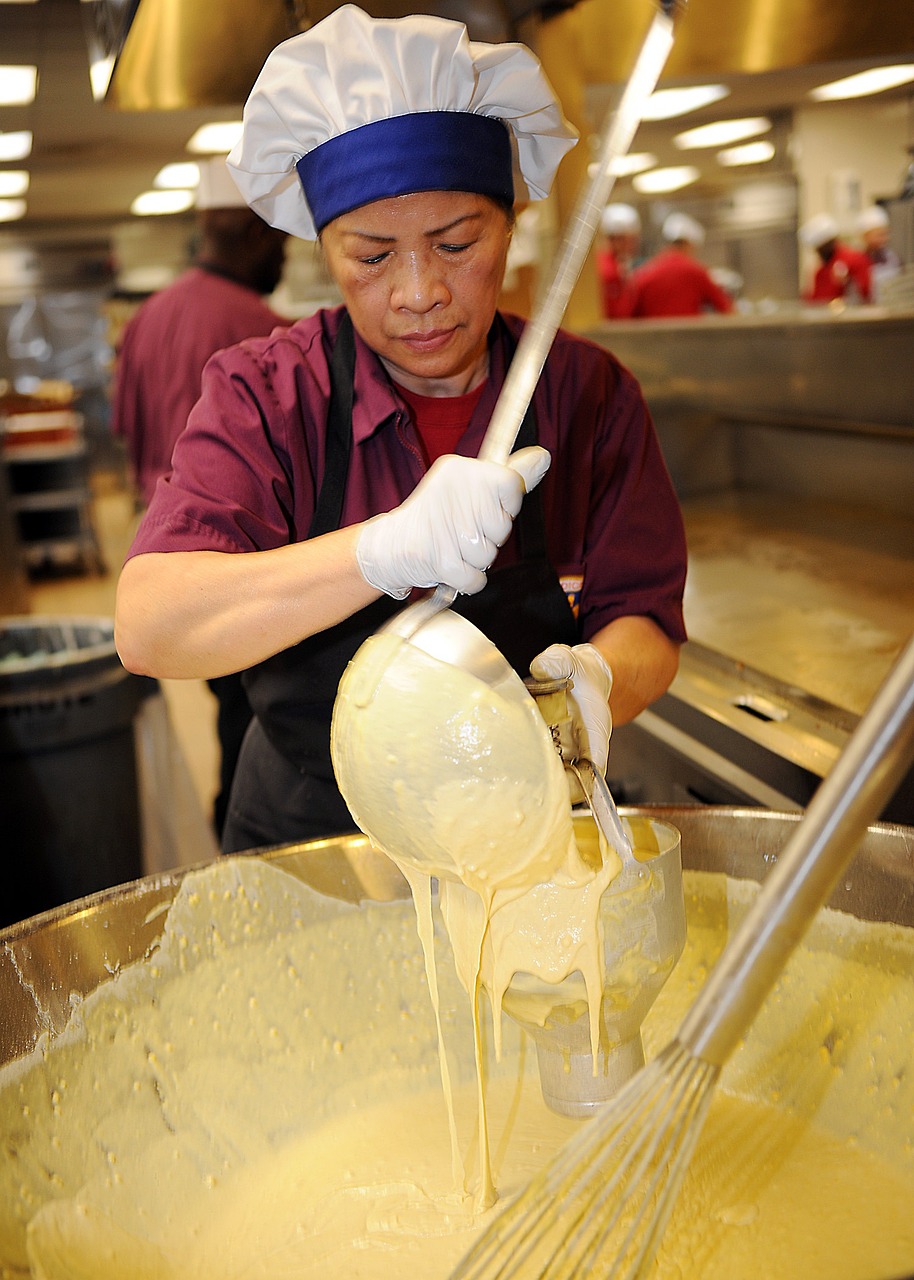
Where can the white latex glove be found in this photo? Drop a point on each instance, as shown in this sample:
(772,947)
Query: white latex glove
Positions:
(588,698)
(449,529)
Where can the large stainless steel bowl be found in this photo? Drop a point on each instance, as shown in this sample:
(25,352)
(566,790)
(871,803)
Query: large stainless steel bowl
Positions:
(44,961)
(49,962)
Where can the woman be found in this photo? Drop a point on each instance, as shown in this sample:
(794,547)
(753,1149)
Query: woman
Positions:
(339,455)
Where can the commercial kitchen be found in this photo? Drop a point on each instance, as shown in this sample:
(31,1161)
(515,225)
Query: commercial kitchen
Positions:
(788,432)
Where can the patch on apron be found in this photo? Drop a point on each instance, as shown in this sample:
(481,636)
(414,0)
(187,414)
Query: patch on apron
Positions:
(572,585)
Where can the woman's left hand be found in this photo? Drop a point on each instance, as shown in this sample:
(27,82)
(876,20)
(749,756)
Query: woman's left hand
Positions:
(591,679)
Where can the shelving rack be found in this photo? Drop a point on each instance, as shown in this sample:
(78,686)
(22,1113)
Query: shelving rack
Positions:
(44,450)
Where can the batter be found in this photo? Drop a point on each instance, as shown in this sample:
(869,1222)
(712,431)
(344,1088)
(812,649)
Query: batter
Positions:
(261,1098)
(478,800)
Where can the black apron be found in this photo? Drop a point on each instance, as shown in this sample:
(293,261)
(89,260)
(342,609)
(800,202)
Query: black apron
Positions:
(284,789)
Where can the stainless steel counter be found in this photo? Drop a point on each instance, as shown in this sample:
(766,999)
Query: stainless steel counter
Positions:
(791,444)
(820,597)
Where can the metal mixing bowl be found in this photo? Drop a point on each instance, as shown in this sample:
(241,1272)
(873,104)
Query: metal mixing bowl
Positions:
(68,951)
(49,962)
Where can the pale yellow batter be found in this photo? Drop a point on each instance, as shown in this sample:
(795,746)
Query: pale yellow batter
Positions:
(262,1099)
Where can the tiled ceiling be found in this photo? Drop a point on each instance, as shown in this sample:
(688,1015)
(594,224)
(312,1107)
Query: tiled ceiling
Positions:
(89,161)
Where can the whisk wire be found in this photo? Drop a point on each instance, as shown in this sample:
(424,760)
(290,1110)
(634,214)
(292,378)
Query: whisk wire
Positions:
(563,1226)
(655,1127)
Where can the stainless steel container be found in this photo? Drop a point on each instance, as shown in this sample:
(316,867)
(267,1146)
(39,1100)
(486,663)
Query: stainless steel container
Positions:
(73,948)
(49,962)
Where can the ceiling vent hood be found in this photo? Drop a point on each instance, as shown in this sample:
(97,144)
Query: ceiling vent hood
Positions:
(174,54)
(163,55)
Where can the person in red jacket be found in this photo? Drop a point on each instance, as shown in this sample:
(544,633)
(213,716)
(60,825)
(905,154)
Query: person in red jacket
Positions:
(843,273)
(674,282)
(614,258)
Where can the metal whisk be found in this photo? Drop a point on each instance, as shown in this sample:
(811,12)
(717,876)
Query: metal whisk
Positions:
(600,1208)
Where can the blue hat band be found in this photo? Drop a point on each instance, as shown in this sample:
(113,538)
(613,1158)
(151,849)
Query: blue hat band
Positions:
(423,151)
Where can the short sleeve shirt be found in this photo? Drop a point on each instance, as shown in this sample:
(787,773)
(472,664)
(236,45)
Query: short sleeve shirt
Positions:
(248,467)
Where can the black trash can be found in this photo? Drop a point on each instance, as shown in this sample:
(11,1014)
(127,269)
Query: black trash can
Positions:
(69,796)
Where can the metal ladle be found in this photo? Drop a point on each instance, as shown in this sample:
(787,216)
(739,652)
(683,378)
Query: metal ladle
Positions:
(429,626)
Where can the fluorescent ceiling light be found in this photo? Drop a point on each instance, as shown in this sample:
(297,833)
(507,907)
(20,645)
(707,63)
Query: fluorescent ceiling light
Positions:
(748,153)
(14,182)
(664,104)
(875,80)
(721,132)
(656,181)
(634,162)
(174,176)
(15,145)
(11,209)
(210,139)
(153,202)
(18,85)
(625,166)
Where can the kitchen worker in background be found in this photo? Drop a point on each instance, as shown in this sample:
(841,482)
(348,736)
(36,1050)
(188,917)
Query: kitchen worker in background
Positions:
(330,469)
(159,369)
(843,273)
(674,282)
(620,227)
(875,234)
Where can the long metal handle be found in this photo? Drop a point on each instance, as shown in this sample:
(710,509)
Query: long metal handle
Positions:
(603,807)
(863,779)
(534,344)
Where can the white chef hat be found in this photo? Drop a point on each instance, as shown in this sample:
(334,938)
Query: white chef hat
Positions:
(818,230)
(358,109)
(679,226)
(872,219)
(619,220)
(217,188)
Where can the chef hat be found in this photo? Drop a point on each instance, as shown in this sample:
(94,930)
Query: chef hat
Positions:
(217,188)
(619,220)
(358,109)
(818,230)
(872,219)
(679,226)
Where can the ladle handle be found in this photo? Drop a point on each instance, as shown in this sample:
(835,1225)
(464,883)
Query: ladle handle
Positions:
(603,807)
(861,782)
(552,300)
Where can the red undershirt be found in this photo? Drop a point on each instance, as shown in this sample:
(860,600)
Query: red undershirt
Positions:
(440,421)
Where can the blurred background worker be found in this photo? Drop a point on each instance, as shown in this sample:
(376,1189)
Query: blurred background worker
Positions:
(674,282)
(616,256)
(874,232)
(843,272)
(214,304)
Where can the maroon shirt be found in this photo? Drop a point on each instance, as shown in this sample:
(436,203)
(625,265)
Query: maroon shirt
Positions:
(248,467)
(672,284)
(161,356)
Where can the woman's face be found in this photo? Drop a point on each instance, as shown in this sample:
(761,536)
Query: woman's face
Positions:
(420,275)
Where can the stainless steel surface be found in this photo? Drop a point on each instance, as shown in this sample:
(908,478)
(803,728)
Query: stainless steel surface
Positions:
(175,51)
(790,440)
(852,366)
(816,595)
(755,38)
(878,754)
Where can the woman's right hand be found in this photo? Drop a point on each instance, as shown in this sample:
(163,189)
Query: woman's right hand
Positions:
(449,529)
